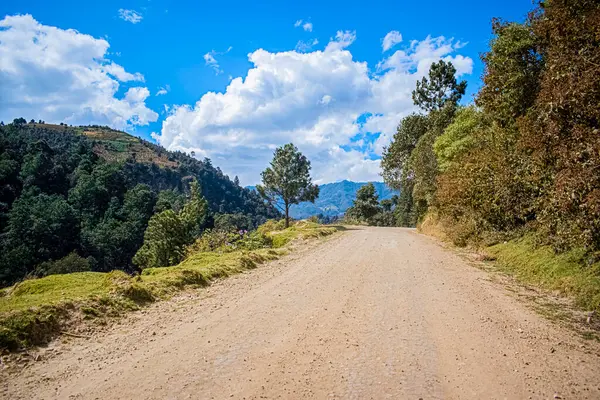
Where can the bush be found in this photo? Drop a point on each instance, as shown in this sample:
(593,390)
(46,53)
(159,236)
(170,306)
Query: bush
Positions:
(66,265)
(254,241)
(213,240)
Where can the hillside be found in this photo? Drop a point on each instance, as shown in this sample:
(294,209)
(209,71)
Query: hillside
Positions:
(335,198)
(83,196)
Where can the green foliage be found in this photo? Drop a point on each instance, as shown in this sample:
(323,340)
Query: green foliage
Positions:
(409,163)
(405,213)
(233,222)
(40,228)
(288,179)
(512,70)
(215,240)
(165,241)
(169,233)
(439,88)
(384,218)
(423,162)
(396,169)
(458,138)
(169,200)
(66,265)
(366,204)
(63,190)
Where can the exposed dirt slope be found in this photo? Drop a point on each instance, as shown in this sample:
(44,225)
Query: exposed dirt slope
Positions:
(372,314)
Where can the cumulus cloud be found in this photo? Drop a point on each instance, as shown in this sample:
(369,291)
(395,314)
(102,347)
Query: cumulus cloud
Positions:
(130,16)
(334,108)
(64,76)
(390,40)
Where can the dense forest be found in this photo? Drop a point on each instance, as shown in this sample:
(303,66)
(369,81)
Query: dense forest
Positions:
(525,158)
(81,198)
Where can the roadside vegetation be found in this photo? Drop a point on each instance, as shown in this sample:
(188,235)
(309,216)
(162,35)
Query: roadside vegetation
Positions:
(81,198)
(519,170)
(36,310)
(91,244)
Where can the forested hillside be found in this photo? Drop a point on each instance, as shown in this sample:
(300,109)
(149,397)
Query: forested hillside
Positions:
(77,198)
(524,160)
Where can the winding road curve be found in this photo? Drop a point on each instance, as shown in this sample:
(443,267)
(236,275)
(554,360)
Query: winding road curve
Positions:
(373,313)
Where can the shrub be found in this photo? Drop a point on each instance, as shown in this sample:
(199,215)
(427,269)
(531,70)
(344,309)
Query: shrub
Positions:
(66,265)
(255,240)
(212,240)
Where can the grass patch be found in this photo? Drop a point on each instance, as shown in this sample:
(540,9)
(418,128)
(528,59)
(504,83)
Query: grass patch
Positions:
(301,230)
(567,273)
(34,311)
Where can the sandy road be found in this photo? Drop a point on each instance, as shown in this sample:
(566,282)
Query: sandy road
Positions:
(376,313)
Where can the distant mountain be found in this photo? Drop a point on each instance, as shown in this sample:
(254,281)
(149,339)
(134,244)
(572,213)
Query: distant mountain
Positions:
(335,198)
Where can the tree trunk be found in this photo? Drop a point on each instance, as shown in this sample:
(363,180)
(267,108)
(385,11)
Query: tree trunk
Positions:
(287,215)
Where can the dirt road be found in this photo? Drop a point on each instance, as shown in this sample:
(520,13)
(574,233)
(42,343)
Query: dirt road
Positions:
(375,313)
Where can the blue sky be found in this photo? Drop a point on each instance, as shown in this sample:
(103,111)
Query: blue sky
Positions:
(326,83)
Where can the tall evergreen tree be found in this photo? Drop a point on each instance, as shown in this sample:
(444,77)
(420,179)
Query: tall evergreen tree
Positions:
(288,180)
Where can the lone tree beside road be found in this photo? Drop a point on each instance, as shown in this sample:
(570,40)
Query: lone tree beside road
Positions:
(288,180)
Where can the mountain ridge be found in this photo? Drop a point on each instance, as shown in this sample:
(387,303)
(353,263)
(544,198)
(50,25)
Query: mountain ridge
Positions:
(335,198)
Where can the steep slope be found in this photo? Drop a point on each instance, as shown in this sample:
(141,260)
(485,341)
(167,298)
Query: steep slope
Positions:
(89,192)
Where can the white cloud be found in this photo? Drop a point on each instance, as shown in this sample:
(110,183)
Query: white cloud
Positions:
(63,76)
(390,40)
(312,99)
(303,46)
(130,16)
(163,90)
(211,61)
(342,40)
(119,72)
(307,26)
